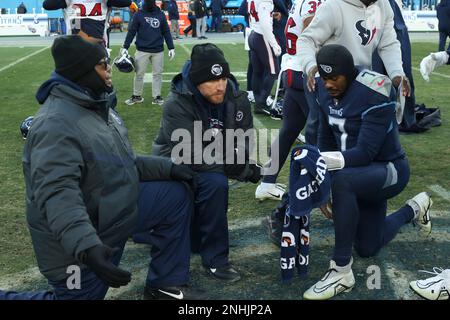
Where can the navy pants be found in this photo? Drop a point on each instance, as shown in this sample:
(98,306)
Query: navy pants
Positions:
(295,113)
(210,224)
(265,67)
(442,40)
(216,23)
(359,207)
(164,215)
(249,73)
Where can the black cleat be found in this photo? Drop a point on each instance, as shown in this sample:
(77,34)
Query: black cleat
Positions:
(226,273)
(174,293)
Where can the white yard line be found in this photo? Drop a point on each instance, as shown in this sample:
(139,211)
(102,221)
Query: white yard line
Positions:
(434,73)
(23,59)
(440,191)
(186,49)
(148,78)
(258,124)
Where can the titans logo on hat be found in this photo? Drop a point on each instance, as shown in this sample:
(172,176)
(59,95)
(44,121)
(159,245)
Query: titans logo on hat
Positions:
(326,68)
(216,69)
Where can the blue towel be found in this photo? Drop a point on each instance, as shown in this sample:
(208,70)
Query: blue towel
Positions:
(309,181)
(309,187)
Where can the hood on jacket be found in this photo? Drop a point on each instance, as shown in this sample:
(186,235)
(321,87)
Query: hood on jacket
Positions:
(55,79)
(69,90)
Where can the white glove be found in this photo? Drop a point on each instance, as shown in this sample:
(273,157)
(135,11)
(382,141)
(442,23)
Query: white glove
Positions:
(123,51)
(276,49)
(432,61)
(171,54)
(71,11)
(334,160)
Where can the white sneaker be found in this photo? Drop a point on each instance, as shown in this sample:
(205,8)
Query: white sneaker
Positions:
(251,96)
(301,138)
(272,191)
(421,205)
(269,101)
(336,280)
(434,288)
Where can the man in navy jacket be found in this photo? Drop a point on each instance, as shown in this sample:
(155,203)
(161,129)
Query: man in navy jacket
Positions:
(150,27)
(443,15)
(174,16)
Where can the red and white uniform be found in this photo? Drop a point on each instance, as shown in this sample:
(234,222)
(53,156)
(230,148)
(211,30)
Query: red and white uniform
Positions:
(260,20)
(86,9)
(300,11)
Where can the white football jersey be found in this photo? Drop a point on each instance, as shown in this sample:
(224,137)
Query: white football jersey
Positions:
(300,10)
(260,19)
(92,9)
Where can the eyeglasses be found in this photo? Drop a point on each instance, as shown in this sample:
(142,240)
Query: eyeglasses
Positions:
(105,62)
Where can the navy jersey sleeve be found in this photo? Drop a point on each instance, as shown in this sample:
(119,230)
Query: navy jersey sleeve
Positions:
(326,140)
(132,29)
(376,122)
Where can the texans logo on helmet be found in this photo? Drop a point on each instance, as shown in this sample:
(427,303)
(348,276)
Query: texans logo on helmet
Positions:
(365,34)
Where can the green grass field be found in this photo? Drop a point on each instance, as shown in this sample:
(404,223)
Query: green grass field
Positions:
(428,153)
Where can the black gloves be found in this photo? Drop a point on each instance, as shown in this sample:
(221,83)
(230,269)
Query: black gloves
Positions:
(98,260)
(234,171)
(182,172)
(241,172)
(255,176)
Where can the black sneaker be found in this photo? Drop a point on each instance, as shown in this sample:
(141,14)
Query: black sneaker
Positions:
(158,100)
(226,273)
(134,99)
(276,113)
(262,109)
(274,229)
(174,293)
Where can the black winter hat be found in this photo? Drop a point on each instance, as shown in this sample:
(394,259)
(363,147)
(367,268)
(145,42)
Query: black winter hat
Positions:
(74,56)
(207,63)
(334,60)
